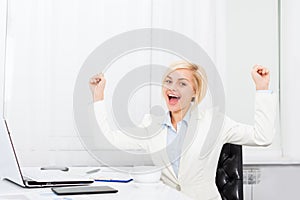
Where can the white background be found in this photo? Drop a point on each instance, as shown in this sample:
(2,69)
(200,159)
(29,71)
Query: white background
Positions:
(244,33)
(47,42)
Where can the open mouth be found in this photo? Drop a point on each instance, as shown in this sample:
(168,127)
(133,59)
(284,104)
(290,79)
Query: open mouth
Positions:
(173,99)
(172,96)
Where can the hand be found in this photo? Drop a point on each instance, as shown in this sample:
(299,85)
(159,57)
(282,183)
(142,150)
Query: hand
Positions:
(261,77)
(97,85)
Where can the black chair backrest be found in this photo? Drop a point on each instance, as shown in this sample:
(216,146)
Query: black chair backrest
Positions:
(229,176)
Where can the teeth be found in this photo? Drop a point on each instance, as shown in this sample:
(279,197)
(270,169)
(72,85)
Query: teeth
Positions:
(172,95)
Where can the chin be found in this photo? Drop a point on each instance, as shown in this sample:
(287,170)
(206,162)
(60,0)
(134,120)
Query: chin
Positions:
(174,108)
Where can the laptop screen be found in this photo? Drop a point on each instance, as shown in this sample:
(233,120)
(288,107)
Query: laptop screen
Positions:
(10,168)
(9,165)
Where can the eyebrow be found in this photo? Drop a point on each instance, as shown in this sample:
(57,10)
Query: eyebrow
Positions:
(184,79)
(178,79)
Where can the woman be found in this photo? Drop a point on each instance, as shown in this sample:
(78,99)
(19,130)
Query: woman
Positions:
(193,166)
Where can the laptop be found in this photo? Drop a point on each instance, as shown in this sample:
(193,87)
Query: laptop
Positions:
(10,168)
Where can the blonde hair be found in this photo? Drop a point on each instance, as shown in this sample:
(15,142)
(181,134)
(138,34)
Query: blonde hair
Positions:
(200,78)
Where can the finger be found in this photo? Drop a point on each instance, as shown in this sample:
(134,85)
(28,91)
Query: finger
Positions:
(265,71)
(94,80)
(97,78)
(256,69)
(260,69)
(258,66)
(102,82)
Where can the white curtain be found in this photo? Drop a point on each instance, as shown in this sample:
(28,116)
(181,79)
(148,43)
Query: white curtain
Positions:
(47,43)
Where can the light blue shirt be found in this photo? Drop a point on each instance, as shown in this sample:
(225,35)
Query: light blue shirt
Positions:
(264,91)
(175,139)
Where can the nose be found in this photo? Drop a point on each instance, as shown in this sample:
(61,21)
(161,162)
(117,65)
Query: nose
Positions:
(172,87)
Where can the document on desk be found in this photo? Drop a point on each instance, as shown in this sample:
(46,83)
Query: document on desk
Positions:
(111,176)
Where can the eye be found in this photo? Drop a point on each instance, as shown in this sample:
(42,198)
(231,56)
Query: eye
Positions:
(168,81)
(182,84)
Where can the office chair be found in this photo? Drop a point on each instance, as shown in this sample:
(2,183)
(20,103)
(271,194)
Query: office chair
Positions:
(229,175)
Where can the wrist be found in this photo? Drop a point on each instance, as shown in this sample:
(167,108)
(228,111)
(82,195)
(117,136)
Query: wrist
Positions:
(262,87)
(98,98)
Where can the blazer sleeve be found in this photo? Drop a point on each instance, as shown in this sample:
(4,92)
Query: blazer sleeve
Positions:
(262,132)
(115,137)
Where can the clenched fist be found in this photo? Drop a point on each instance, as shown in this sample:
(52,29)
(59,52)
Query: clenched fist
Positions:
(97,85)
(261,77)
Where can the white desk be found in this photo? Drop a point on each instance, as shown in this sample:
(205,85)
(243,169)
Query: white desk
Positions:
(130,191)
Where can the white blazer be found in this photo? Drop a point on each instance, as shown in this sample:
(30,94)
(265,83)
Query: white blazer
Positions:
(202,146)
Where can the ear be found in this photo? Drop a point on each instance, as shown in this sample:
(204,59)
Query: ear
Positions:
(194,96)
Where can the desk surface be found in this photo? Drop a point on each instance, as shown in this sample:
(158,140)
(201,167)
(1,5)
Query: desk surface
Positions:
(130,191)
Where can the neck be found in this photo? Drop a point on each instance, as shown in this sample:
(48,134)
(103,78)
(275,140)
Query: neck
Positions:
(177,116)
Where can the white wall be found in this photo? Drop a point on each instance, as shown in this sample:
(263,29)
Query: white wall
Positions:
(2,49)
(290,82)
(251,38)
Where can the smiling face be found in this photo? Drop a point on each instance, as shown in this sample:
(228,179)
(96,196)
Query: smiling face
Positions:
(178,90)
